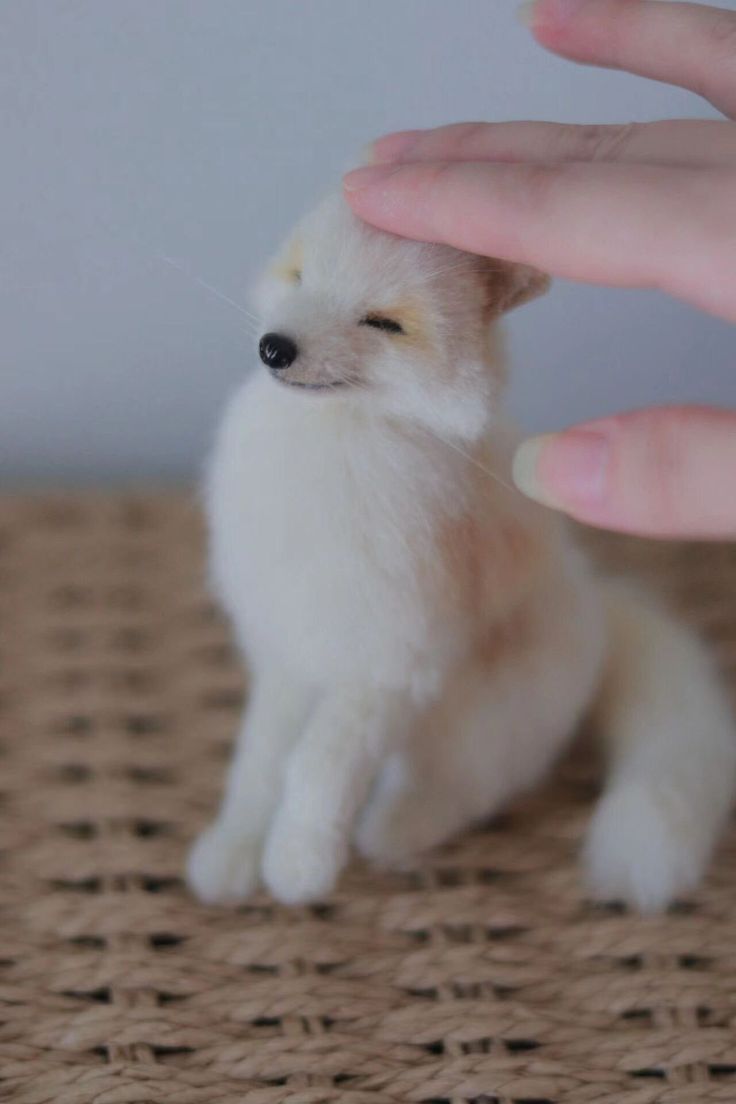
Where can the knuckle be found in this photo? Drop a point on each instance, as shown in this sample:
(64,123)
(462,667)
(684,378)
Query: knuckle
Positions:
(605,142)
(716,78)
(716,220)
(467,137)
(720,34)
(664,434)
(438,175)
(708,238)
(438,182)
(537,183)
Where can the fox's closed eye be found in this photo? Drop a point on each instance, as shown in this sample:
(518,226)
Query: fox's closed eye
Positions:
(380,322)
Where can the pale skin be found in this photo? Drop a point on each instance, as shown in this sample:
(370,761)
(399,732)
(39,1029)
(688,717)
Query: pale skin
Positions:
(646,205)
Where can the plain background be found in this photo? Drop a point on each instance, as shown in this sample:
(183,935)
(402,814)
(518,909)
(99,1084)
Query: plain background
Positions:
(133,130)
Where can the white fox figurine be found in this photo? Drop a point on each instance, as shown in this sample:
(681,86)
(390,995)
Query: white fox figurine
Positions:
(423,640)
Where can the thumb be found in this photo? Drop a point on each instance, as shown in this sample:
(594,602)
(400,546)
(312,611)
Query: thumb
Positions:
(666,472)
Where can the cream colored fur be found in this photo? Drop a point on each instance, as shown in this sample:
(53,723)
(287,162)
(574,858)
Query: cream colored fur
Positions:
(422,640)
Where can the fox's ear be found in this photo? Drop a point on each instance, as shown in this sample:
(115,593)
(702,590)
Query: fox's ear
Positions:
(510,285)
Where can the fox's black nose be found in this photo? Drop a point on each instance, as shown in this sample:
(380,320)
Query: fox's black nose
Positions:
(277,351)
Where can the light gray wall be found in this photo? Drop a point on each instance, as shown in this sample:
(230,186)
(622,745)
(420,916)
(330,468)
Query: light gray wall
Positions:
(198,130)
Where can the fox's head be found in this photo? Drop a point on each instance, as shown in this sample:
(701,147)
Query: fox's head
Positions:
(352,314)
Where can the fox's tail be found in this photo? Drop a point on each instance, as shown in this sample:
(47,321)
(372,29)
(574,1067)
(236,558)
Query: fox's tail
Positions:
(671,745)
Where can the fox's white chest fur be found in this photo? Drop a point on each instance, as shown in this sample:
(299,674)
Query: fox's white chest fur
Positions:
(422,641)
(324,524)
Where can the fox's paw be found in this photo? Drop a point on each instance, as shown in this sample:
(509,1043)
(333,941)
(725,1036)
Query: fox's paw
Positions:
(223,865)
(300,863)
(643,847)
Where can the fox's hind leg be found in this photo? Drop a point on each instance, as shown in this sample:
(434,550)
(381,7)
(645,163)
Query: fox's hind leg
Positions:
(495,733)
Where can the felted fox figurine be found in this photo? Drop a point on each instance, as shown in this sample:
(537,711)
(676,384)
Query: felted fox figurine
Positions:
(422,639)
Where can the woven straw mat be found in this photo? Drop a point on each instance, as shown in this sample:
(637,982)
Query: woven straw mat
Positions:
(485,976)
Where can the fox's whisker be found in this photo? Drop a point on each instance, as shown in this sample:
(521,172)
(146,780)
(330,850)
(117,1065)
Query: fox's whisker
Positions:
(209,287)
(469,457)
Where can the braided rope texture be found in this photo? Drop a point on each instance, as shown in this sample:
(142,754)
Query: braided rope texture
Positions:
(483,977)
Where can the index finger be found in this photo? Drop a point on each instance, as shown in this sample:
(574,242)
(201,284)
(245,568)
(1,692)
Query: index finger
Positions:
(625,225)
(690,45)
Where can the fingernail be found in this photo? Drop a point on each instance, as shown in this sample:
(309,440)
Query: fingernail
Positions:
(555,12)
(393,147)
(366,154)
(563,470)
(365,177)
(561,11)
(526,12)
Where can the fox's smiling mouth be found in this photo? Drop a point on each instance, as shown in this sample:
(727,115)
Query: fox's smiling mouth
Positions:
(309,386)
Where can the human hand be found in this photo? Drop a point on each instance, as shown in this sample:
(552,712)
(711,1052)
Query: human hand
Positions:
(641,205)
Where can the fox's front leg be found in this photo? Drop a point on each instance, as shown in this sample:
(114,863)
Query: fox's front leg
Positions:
(327,780)
(224,864)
